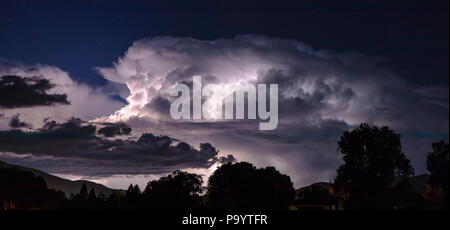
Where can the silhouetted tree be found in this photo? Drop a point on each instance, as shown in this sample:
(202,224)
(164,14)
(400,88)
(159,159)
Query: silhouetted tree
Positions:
(133,196)
(242,186)
(180,190)
(372,157)
(92,196)
(133,192)
(83,195)
(437,164)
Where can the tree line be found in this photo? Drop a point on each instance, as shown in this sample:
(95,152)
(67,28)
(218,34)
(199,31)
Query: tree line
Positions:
(376,174)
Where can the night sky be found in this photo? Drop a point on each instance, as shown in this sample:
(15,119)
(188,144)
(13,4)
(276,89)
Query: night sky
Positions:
(337,63)
(78,35)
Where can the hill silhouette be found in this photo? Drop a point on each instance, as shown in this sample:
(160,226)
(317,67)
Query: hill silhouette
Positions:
(64,185)
(73,187)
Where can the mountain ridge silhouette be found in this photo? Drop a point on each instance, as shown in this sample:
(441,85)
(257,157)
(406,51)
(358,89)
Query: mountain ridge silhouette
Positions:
(65,185)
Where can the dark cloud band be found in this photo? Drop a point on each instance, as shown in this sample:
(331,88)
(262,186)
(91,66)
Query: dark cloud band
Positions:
(75,141)
(16,91)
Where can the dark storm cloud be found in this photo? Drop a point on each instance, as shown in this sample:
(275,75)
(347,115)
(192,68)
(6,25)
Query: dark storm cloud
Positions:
(114,129)
(74,141)
(17,91)
(74,127)
(15,122)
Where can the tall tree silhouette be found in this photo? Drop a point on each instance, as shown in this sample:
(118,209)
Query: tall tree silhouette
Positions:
(242,185)
(84,195)
(92,195)
(133,196)
(437,164)
(373,158)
